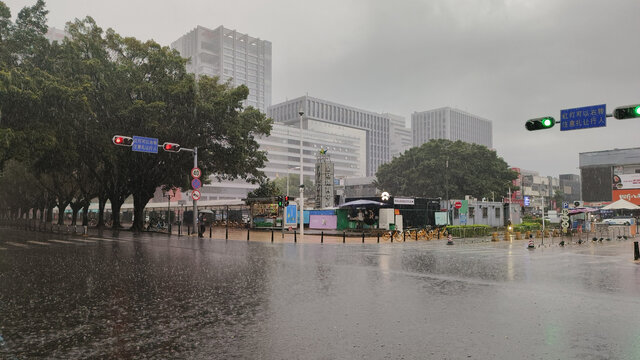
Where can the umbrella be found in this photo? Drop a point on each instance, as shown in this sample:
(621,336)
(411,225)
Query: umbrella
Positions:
(362,203)
(621,204)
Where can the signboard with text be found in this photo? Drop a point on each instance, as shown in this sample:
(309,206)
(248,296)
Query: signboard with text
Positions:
(583,117)
(631,195)
(626,181)
(145,144)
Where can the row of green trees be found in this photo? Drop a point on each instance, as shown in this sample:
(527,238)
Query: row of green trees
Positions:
(61,104)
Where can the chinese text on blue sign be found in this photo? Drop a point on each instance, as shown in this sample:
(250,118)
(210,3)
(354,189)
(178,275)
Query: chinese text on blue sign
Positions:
(144,144)
(583,118)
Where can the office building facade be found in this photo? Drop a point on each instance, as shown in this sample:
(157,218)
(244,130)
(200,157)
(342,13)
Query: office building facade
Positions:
(345,119)
(233,56)
(400,136)
(451,124)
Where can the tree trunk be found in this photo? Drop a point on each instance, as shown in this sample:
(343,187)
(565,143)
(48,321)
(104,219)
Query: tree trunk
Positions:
(85,214)
(50,214)
(61,208)
(102,202)
(75,207)
(139,203)
(115,213)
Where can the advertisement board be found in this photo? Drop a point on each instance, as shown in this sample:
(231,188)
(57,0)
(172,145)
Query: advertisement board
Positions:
(323,222)
(631,195)
(626,181)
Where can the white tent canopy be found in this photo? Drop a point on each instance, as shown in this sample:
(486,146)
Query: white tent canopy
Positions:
(621,204)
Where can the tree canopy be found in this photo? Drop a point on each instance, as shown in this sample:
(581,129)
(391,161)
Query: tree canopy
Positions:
(441,168)
(61,104)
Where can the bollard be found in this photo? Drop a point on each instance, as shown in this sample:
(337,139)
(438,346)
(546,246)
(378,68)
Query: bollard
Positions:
(226,233)
(247,234)
(416,234)
(188,230)
(518,235)
(271,235)
(378,238)
(344,235)
(636,251)
(363,237)
(494,236)
(322,237)
(295,239)
(210,231)
(180,228)
(404,236)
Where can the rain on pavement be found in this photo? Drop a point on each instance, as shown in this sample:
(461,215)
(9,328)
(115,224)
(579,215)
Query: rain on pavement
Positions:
(155,296)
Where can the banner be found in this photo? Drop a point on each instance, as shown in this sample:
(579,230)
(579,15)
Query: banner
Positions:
(631,195)
(626,181)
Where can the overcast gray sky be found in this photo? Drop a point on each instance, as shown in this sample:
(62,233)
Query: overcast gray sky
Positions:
(504,60)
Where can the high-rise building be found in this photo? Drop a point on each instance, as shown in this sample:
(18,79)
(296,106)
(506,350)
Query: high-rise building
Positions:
(570,187)
(233,56)
(400,136)
(340,120)
(451,124)
(283,157)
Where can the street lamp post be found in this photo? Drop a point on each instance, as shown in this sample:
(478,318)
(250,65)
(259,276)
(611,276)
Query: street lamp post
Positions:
(168,196)
(301,113)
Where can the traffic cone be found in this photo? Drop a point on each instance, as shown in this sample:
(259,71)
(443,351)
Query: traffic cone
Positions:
(531,244)
(449,240)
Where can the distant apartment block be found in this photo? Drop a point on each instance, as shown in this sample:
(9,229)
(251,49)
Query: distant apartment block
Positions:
(233,56)
(451,124)
(400,136)
(340,119)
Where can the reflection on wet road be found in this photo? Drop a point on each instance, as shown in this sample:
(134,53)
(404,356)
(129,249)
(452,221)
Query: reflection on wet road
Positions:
(160,297)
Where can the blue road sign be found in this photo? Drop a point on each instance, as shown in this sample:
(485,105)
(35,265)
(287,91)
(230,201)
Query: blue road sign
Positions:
(145,144)
(583,118)
(196,184)
(527,201)
(291,216)
(565,205)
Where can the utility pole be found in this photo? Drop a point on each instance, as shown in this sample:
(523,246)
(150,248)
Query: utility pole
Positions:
(301,113)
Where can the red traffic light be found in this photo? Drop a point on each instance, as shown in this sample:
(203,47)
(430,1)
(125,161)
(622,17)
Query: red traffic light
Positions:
(171,147)
(122,140)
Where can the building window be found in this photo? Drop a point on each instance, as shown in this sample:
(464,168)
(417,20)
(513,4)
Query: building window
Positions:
(497,213)
(485,212)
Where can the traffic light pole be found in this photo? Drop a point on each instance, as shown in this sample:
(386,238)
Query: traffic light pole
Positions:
(195,202)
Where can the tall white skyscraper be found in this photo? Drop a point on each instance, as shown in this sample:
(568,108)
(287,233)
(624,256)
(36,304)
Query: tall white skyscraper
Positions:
(232,56)
(451,124)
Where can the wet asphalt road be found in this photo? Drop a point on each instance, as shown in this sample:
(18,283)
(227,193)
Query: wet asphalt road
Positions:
(64,297)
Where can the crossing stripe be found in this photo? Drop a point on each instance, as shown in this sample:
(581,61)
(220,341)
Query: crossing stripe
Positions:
(62,241)
(38,242)
(18,245)
(85,241)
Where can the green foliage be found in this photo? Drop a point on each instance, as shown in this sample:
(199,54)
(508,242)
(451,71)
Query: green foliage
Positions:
(527,226)
(423,172)
(61,103)
(469,230)
(267,188)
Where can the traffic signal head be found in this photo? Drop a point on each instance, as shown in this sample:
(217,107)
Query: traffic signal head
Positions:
(540,123)
(286,201)
(122,140)
(171,147)
(279,198)
(627,112)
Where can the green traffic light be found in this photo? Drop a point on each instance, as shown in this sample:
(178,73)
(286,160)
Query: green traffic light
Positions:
(546,122)
(637,110)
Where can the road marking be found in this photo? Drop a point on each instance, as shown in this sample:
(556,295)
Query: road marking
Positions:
(38,242)
(85,241)
(16,244)
(62,241)
(105,239)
